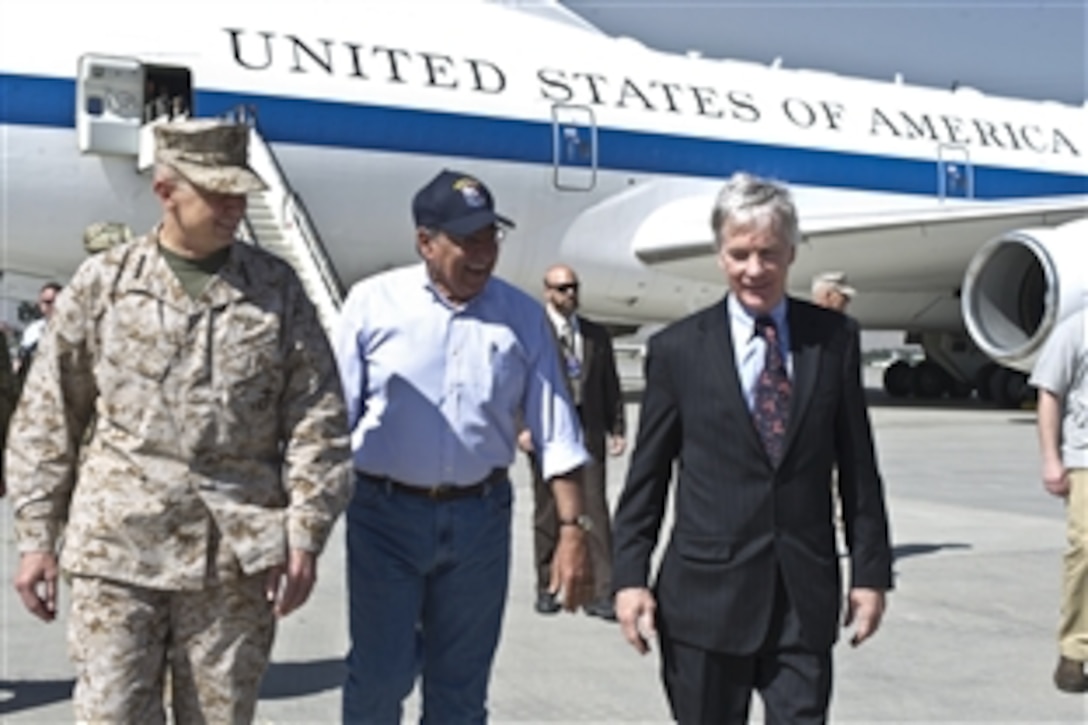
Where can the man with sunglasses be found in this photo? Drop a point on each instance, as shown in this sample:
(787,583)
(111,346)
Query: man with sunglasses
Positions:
(28,341)
(441,362)
(590,366)
(194,510)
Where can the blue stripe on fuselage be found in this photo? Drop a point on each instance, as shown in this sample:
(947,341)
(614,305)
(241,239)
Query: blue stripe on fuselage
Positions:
(38,101)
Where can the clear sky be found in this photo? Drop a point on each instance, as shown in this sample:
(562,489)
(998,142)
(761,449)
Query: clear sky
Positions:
(1022,48)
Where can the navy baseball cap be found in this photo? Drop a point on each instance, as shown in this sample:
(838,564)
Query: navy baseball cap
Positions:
(456,203)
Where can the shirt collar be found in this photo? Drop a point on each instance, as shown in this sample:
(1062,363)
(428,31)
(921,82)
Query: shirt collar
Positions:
(426,283)
(558,319)
(742,316)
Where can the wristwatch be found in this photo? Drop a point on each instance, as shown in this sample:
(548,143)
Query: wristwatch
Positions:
(583,522)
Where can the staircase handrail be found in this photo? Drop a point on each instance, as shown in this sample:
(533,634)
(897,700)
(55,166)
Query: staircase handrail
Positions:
(293,208)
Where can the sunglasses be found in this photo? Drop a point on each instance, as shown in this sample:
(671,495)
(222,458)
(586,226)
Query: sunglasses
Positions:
(564,288)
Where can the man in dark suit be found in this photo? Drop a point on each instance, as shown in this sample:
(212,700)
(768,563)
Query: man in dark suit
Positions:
(753,401)
(587,357)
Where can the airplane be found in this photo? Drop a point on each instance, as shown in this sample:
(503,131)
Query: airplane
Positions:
(960,217)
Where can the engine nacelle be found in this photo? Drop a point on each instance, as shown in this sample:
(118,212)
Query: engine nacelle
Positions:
(1019,285)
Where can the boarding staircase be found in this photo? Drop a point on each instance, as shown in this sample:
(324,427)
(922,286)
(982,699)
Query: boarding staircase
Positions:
(276,220)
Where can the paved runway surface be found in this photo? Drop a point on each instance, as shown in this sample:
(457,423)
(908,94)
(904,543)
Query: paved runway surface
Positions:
(969,636)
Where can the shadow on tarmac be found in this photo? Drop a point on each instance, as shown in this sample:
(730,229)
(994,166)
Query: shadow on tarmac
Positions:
(17,695)
(901,551)
(877,398)
(298,679)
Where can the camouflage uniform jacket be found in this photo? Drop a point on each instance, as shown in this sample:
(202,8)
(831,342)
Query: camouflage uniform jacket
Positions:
(220,437)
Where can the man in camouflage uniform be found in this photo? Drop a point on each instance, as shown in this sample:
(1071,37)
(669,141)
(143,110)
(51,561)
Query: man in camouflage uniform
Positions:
(103,236)
(194,513)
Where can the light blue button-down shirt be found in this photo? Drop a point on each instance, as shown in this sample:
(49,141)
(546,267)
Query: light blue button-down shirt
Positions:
(750,349)
(433,390)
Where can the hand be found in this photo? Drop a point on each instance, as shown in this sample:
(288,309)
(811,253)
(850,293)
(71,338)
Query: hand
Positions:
(36,582)
(864,609)
(635,610)
(1056,478)
(616,445)
(525,441)
(289,587)
(570,580)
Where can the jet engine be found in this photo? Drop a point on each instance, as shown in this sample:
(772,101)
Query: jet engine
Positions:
(1019,285)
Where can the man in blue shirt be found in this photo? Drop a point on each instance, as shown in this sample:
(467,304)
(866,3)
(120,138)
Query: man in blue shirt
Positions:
(440,364)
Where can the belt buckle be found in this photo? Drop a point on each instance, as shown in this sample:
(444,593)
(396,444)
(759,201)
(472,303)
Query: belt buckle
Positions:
(437,493)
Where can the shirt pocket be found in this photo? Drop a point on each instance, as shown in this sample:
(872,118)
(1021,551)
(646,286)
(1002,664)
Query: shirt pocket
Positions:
(134,341)
(136,359)
(505,376)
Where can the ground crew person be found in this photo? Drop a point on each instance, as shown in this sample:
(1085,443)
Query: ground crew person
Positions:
(195,511)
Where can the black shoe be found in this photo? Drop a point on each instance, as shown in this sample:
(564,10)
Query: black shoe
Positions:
(546,603)
(1069,676)
(601,608)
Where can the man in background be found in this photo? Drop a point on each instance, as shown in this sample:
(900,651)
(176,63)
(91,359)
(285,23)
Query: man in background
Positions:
(102,236)
(1061,377)
(28,342)
(9,396)
(831,290)
(589,364)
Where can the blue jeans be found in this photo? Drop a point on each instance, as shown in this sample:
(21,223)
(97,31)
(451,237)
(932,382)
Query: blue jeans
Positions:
(427,585)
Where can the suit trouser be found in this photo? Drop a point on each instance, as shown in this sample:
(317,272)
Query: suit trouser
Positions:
(1073,627)
(546,527)
(215,642)
(712,687)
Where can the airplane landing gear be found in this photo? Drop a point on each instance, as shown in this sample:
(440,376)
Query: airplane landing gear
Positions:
(955,368)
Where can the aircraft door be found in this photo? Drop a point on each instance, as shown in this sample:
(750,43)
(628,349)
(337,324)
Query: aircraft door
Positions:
(109,104)
(574,147)
(955,175)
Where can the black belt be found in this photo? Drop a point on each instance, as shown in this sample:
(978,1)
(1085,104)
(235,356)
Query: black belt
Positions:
(443,491)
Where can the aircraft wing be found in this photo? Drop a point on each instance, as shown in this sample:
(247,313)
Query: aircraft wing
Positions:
(920,247)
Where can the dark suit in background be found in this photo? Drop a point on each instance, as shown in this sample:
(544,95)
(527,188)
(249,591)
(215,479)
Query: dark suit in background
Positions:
(748,594)
(601,413)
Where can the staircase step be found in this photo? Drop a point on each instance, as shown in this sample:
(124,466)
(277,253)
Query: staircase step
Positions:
(288,241)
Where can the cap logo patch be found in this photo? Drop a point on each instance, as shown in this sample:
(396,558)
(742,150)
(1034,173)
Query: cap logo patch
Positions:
(470,191)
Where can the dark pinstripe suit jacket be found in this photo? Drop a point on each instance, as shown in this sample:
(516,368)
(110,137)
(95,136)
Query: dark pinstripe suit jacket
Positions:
(738,520)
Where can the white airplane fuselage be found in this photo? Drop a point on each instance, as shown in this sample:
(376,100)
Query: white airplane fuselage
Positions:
(605,153)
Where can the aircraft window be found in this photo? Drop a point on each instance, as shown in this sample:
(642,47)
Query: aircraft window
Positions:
(94,105)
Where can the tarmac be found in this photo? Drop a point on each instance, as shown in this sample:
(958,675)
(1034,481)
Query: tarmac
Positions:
(969,635)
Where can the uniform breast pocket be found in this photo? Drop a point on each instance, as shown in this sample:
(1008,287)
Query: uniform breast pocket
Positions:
(250,370)
(134,342)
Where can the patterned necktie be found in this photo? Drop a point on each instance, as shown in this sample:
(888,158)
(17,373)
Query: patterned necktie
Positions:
(572,363)
(772,394)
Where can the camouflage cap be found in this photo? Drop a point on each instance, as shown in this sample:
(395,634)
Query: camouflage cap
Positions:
(836,281)
(100,236)
(210,154)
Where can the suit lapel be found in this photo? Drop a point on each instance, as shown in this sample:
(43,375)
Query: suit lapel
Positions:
(805,352)
(718,336)
(588,348)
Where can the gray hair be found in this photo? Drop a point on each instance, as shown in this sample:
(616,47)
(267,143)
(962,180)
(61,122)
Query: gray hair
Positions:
(748,200)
